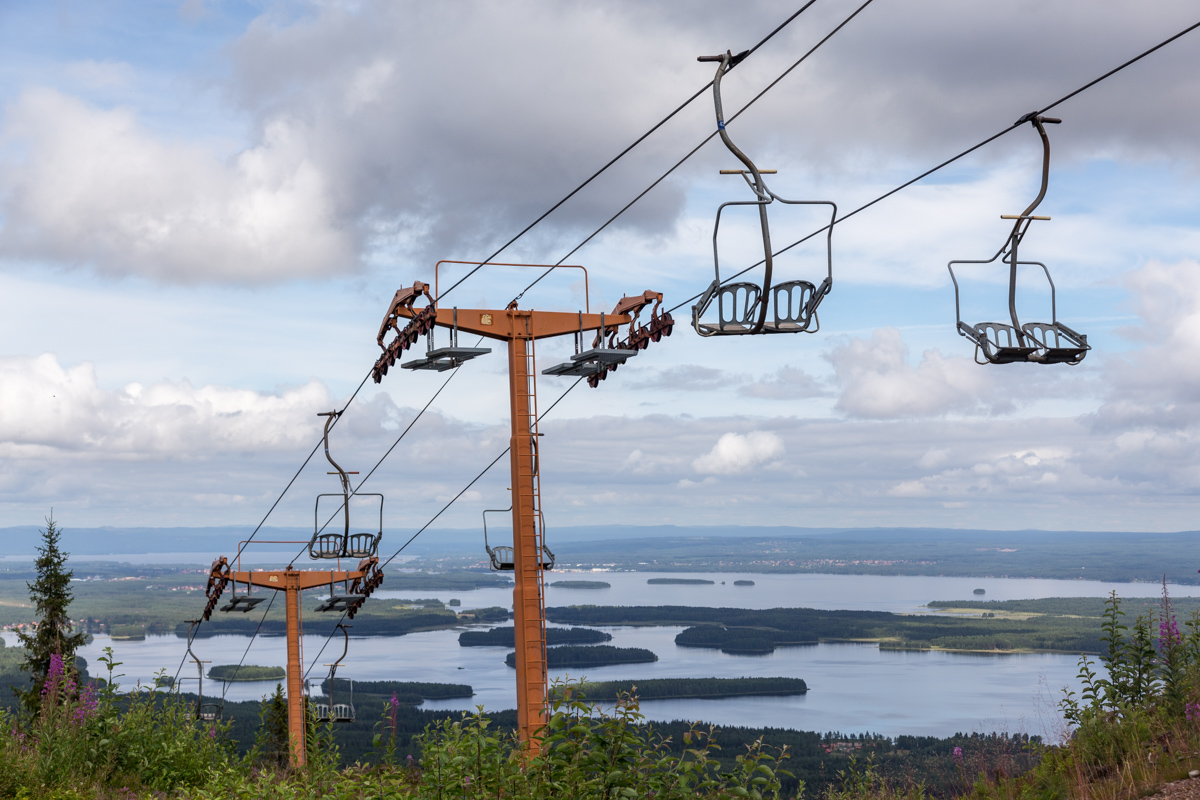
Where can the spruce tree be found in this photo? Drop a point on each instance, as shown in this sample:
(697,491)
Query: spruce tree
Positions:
(51,595)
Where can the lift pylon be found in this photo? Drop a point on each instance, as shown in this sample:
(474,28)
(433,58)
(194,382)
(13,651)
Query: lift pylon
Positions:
(520,329)
(292,582)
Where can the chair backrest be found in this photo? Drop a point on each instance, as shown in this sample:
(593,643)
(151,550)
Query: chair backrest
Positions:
(502,558)
(737,303)
(326,545)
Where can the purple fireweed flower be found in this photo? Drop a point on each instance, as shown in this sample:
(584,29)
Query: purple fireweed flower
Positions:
(393,711)
(958,754)
(1192,710)
(56,667)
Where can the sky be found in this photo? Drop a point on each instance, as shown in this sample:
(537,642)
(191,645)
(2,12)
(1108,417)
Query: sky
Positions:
(206,206)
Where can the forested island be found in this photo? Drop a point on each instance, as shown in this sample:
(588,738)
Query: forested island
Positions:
(412,692)
(247,672)
(601,655)
(680,582)
(692,688)
(506,637)
(582,585)
(751,632)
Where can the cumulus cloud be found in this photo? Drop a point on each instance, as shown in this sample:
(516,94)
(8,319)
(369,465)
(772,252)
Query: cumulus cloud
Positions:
(786,383)
(46,407)
(736,453)
(96,188)
(877,382)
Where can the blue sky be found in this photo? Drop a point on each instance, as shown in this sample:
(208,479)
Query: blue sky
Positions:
(205,208)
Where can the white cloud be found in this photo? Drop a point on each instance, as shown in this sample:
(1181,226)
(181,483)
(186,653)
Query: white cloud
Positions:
(735,453)
(89,186)
(877,382)
(786,383)
(45,408)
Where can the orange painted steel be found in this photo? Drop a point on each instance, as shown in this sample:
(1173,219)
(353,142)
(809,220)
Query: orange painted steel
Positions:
(292,582)
(520,328)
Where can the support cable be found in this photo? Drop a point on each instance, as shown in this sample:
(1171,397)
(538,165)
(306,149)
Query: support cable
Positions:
(619,156)
(694,150)
(434,518)
(966,152)
(247,650)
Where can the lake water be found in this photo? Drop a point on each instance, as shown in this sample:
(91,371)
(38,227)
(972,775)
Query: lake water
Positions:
(852,687)
(901,594)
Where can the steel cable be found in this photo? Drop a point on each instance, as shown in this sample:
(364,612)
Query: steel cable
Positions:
(949,161)
(617,158)
(694,150)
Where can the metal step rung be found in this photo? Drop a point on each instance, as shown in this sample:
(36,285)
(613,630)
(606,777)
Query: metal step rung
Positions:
(339,602)
(445,358)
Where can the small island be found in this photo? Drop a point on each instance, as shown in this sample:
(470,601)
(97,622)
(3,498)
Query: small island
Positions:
(693,688)
(506,637)
(680,582)
(582,585)
(600,655)
(739,641)
(229,673)
(743,583)
(980,591)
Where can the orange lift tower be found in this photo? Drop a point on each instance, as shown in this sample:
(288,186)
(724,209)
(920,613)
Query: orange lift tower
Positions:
(521,328)
(348,589)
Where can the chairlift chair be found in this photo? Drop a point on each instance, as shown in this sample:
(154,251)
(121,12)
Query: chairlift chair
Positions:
(502,557)
(745,307)
(1037,342)
(441,359)
(331,545)
(331,711)
(205,712)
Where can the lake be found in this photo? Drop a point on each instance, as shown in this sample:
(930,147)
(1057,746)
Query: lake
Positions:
(900,594)
(852,687)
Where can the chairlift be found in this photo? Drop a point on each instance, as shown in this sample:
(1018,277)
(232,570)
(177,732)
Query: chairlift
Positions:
(1038,342)
(745,307)
(441,359)
(502,556)
(329,545)
(205,712)
(330,711)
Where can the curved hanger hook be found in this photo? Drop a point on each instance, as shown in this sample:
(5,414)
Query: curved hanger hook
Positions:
(331,417)
(727,62)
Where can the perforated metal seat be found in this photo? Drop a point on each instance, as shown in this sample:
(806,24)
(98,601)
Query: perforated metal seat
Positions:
(342,712)
(1000,344)
(1056,343)
(209,712)
(737,307)
(321,712)
(362,545)
(326,545)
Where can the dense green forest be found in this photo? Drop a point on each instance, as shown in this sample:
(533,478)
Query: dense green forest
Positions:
(692,688)
(600,655)
(680,582)
(505,637)
(246,672)
(757,631)
(582,584)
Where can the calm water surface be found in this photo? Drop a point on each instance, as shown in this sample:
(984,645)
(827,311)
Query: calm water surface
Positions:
(852,687)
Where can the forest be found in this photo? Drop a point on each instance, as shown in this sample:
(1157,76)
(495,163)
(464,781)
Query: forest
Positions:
(691,688)
(246,672)
(599,655)
(506,637)
(749,631)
